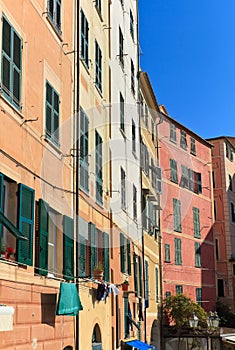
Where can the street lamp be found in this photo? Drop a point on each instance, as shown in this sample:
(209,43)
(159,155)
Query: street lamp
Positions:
(193,322)
(213,320)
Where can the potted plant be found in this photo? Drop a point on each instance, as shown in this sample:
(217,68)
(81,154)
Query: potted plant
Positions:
(125,285)
(3,249)
(99,271)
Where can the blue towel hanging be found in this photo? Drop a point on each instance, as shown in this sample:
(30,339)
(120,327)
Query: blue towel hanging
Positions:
(69,302)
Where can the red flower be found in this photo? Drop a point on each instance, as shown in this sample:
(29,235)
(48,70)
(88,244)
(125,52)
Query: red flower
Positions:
(10,250)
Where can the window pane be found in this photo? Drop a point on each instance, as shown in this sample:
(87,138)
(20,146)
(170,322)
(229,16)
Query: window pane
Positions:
(16,86)
(56,102)
(48,119)
(49,94)
(17,51)
(6,45)
(6,73)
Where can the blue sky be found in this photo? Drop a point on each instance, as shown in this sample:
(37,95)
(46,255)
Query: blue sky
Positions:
(188,50)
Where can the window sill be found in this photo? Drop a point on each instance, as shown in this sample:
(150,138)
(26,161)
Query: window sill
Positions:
(56,31)
(173,141)
(8,261)
(8,102)
(52,144)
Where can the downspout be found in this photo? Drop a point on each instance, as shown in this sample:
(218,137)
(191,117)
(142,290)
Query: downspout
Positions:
(142,231)
(76,144)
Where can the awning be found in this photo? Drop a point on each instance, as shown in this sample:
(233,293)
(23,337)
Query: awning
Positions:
(228,338)
(69,301)
(9,225)
(139,344)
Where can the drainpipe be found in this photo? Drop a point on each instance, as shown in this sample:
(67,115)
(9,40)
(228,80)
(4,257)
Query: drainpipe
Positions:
(142,231)
(76,141)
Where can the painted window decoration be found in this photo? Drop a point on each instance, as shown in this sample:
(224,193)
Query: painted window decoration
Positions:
(54,13)
(11,71)
(52,114)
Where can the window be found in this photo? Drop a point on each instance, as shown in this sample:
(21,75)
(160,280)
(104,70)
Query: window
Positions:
(132,78)
(173,169)
(196,222)
(168,294)
(131,24)
(199,296)
(52,114)
(153,130)
(154,174)
(184,182)
(217,249)
(146,268)
(134,203)
(122,113)
(183,139)
(11,63)
(230,182)
(98,248)
(159,180)
(98,67)
(123,189)
(232,212)
(151,217)
(138,274)
(234,269)
(146,161)
(121,57)
(98,168)
(177,215)
(213,178)
(84,39)
(146,115)
(229,152)
(178,255)
(220,287)
(215,211)
(122,2)
(167,253)
(54,13)
(98,5)
(191,179)
(84,165)
(198,183)
(125,254)
(179,289)
(197,254)
(173,133)
(157,285)
(133,137)
(192,146)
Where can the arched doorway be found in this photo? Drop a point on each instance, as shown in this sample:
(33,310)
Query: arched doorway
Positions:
(155,334)
(96,338)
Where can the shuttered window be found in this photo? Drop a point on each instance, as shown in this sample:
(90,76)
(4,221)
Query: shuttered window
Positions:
(99,168)
(199,296)
(197,254)
(84,145)
(173,169)
(123,189)
(132,78)
(172,133)
(52,114)
(177,215)
(98,67)
(122,113)
(84,39)
(157,284)
(167,253)
(140,276)
(106,257)
(125,254)
(68,248)
(184,177)
(26,224)
(178,253)
(136,273)
(93,247)
(82,256)
(43,208)
(121,60)
(11,63)
(196,222)
(146,267)
(179,289)
(54,13)
(131,24)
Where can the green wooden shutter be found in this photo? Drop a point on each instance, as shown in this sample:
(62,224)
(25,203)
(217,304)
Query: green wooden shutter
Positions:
(106,257)
(26,224)
(178,257)
(82,256)
(93,247)
(1,203)
(140,276)
(129,257)
(167,253)
(43,237)
(122,253)
(136,273)
(146,267)
(68,248)
(157,291)
(177,215)
(196,222)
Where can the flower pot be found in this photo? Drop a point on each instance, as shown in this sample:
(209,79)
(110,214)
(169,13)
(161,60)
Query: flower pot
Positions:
(125,287)
(98,275)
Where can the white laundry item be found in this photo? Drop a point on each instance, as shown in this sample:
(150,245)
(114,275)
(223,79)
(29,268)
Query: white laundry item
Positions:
(6,318)
(114,288)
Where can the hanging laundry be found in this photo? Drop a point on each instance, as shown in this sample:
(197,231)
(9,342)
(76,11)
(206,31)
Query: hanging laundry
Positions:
(114,289)
(69,302)
(102,291)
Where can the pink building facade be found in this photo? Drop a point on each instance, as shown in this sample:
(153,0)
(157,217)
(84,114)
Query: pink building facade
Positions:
(224,226)
(187,214)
